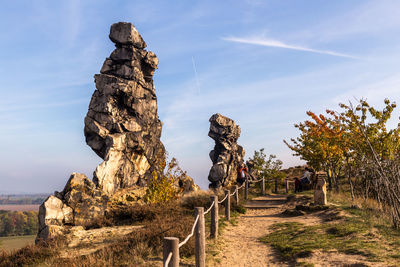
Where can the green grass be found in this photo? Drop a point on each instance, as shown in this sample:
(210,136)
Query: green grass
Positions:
(362,232)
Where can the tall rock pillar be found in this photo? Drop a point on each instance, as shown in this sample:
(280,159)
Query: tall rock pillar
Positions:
(122,124)
(227,155)
(122,127)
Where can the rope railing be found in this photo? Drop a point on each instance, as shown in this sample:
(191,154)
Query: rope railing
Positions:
(256,181)
(191,234)
(168,259)
(172,245)
(219,202)
(209,209)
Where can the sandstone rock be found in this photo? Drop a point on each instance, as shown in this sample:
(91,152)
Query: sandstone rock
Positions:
(186,185)
(87,202)
(123,128)
(80,203)
(54,211)
(84,242)
(124,33)
(129,196)
(252,171)
(227,154)
(50,231)
(122,124)
(320,191)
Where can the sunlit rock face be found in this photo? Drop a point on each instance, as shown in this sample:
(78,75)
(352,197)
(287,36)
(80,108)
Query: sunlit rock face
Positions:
(227,155)
(122,124)
(123,128)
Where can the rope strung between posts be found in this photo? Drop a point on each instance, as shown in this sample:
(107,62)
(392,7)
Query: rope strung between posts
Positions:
(168,259)
(234,192)
(219,202)
(191,234)
(207,211)
(256,181)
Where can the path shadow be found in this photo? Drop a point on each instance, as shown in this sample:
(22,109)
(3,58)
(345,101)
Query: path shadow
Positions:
(277,215)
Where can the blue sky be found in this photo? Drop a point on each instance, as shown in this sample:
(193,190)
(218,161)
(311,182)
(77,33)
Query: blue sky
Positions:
(261,63)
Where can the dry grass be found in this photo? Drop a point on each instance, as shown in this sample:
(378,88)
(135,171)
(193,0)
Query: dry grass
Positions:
(141,248)
(197,199)
(364,230)
(29,255)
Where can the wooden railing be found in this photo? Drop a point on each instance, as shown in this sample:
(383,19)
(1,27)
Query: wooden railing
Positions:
(171,244)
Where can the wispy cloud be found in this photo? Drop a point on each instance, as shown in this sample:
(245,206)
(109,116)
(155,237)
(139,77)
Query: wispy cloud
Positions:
(279,44)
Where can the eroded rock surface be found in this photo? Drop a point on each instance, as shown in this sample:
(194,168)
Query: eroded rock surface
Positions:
(227,155)
(122,124)
(123,128)
(320,190)
(80,203)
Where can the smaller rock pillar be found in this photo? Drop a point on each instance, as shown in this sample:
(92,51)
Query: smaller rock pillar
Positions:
(320,192)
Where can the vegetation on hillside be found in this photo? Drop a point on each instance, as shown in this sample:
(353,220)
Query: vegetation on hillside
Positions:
(161,188)
(13,223)
(267,167)
(140,248)
(357,231)
(355,143)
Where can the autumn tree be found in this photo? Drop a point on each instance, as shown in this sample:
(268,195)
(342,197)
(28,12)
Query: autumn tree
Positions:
(355,142)
(321,144)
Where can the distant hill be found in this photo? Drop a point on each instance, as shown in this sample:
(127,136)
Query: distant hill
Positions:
(21,199)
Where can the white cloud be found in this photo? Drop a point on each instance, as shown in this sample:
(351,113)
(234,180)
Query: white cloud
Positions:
(279,44)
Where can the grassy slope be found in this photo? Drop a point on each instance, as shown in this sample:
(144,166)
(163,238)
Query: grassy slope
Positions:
(362,231)
(142,248)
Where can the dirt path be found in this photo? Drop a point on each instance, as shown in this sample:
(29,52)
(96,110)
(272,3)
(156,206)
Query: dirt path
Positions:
(240,245)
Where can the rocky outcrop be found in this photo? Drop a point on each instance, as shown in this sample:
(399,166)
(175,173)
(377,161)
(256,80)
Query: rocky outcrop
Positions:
(227,154)
(320,189)
(123,128)
(252,173)
(185,184)
(80,203)
(122,124)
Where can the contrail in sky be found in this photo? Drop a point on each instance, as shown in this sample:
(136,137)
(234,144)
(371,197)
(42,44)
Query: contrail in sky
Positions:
(276,43)
(196,76)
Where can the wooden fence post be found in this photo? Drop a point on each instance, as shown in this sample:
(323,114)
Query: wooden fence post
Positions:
(276,185)
(246,188)
(227,205)
(263,186)
(171,244)
(200,238)
(287,186)
(237,194)
(214,218)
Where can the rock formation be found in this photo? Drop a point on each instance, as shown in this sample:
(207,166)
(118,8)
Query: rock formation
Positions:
(123,128)
(320,190)
(227,154)
(122,125)
(252,171)
(80,203)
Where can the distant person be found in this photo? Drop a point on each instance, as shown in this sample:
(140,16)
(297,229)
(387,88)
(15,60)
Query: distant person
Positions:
(297,185)
(306,178)
(242,174)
